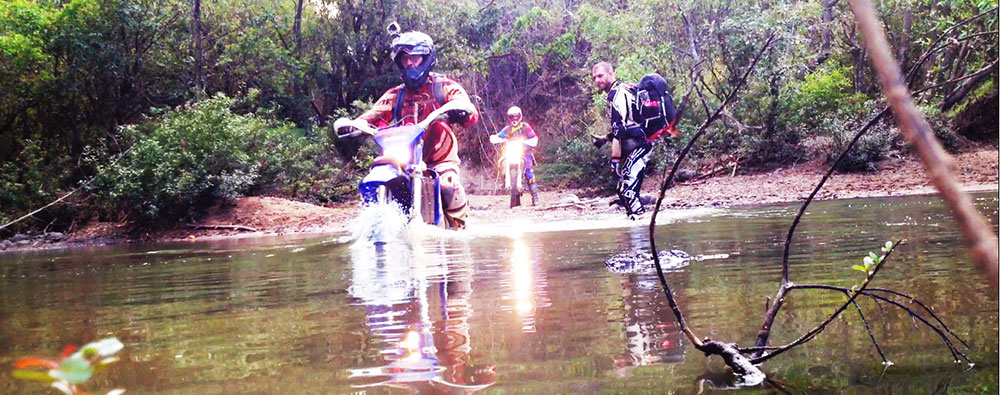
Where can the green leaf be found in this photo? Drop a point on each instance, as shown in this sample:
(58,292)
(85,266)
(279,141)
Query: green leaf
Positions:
(869,262)
(873,256)
(860,268)
(888,245)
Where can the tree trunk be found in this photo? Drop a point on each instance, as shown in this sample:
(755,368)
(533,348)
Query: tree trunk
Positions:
(859,63)
(827,32)
(967,86)
(196,32)
(772,116)
(297,29)
(958,69)
(904,38)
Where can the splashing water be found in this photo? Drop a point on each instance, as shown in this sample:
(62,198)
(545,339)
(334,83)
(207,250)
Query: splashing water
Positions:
(379,223)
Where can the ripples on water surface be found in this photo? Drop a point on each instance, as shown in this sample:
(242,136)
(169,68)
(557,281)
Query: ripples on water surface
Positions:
(505,310)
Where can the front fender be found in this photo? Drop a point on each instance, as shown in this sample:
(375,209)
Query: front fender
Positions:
(396,180)
(381,174)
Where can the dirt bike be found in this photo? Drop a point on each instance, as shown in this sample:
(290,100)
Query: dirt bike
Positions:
(399,175)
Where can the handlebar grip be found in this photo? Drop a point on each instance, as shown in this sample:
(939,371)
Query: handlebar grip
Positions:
(457,116)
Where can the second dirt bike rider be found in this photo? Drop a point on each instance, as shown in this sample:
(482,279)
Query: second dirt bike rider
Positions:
(518,129)
(422,92)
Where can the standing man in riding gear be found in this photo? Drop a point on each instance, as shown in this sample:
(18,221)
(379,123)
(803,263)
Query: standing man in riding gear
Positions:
(422,92)
(518,129)
(630,150)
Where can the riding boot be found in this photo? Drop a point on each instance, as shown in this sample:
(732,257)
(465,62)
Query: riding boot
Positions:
(533,188)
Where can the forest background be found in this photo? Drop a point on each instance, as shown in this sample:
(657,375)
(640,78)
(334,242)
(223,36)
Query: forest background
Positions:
(153,110)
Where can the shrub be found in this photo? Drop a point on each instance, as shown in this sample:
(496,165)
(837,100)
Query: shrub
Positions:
(577,164)
(190,157)
(29,181)
(870,148)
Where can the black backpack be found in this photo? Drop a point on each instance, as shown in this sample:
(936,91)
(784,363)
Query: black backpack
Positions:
(655,112)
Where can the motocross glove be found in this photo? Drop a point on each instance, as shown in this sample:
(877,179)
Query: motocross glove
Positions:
(458,116)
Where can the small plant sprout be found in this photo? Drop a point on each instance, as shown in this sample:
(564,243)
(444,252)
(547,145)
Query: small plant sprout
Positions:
(873,259)
(74,368)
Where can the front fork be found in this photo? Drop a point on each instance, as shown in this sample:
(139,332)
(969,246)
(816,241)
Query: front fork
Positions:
(417,191)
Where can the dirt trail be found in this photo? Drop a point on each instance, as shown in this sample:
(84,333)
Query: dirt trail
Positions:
(977,170)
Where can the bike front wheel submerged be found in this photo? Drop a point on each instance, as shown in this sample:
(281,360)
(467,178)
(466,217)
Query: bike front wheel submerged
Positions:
(515,192)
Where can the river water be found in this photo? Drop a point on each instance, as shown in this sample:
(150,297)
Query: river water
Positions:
(513,311)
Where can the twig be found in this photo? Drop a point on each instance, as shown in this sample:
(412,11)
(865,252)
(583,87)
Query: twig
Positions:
(954,351)
(68,194)
(942,332)
(43,207)
(819,328)
(927,309)
(870,334)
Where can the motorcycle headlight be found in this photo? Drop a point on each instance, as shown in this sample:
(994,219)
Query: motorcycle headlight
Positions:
(515,150)
(399,155)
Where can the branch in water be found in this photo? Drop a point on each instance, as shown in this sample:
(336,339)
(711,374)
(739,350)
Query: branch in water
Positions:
(698,343)
(819,328)
(772,312)
(976,231)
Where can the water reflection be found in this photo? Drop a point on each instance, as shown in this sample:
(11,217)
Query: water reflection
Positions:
(651,332)
(253,316)
(528,284)
(417,306)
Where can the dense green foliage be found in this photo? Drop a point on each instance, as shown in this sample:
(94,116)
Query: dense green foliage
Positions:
(82,81)
(187,159)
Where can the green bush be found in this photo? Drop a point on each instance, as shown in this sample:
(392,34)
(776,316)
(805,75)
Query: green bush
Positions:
(825,104)
(577,164)
(821,95)
(29,181)
(871,148)
(187,159)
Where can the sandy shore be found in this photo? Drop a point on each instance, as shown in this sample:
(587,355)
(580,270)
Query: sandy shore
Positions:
(260,216)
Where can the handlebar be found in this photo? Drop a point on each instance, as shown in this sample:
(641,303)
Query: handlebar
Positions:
(357,127)
(354,127)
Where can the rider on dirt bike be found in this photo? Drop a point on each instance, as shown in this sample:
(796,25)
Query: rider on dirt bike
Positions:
(518,129)
(422,92)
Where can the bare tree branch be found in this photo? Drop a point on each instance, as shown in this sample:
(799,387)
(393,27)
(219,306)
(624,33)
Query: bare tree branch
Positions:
(870,334)
(940,328)
(970,82)
(976,231)
(809,335)
(935,48)
(717,349)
